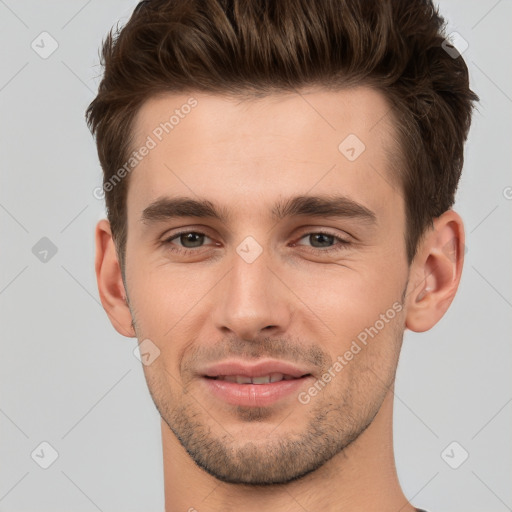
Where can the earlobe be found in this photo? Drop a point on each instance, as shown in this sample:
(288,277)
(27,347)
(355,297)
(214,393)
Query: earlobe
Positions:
(110,281)
(435,272)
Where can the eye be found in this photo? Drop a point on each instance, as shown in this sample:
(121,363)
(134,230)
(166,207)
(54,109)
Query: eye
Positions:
(186,241)
(189,242)
(323,242)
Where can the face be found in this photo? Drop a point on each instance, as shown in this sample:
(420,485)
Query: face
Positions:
(262,239)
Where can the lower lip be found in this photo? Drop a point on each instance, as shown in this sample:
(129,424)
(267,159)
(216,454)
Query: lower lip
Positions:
(254,395)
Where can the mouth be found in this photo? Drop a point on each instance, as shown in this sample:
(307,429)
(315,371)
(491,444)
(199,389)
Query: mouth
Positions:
(257,385)
(263,379)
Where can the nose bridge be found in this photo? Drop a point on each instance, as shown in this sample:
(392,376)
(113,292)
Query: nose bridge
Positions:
(251,297)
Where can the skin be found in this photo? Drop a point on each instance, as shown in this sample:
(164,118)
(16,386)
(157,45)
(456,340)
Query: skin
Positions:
(295,302)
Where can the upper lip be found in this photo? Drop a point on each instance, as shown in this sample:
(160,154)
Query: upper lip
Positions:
(259,369)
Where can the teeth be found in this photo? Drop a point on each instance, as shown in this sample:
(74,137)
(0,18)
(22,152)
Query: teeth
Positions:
(265,379)
(261,380)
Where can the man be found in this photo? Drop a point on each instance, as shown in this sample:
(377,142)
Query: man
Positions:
(279,179)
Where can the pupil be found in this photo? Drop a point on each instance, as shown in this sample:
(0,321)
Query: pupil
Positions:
(195,239)
(328,239)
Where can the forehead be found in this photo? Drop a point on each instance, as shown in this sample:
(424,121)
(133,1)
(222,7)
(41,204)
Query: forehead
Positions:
(238,150)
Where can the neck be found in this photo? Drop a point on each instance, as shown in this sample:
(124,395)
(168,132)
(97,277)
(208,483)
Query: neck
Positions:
(360,478)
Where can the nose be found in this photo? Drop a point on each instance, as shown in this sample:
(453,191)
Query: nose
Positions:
(252,301)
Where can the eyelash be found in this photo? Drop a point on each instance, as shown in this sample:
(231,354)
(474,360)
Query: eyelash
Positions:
(343,244)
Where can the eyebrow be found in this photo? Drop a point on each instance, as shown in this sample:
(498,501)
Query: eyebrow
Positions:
(313,206)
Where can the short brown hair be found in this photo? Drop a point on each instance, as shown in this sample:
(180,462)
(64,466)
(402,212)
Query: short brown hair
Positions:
(253,48)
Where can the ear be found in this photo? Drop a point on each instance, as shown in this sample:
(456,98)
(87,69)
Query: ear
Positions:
(435,272)
(110,281)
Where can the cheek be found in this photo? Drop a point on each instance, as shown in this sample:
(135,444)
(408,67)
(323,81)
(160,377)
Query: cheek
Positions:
(348,300)
(165,298)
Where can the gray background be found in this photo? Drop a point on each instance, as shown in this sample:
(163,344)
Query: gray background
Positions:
(69,379)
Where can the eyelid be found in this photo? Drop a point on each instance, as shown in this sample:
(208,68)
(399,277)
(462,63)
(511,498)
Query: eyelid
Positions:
(172,233)
(170,238)
(313,230)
